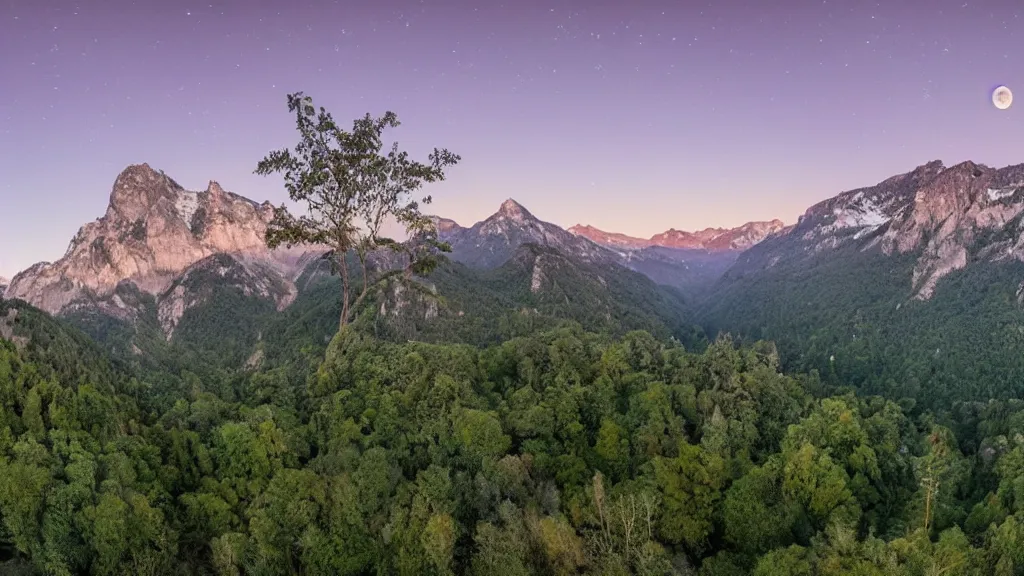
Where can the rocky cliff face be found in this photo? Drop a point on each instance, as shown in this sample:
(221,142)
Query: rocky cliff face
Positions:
(711,239)
(152,232)
(248,276)
(946,216)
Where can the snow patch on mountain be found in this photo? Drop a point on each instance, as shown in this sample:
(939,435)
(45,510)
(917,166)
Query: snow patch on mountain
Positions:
(858,213)
(996,194)
(186,203)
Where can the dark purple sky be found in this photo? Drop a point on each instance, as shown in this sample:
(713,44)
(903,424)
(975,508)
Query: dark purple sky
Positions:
(632,116)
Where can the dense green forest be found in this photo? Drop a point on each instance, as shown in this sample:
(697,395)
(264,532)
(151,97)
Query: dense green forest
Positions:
(559,452)
(851,316)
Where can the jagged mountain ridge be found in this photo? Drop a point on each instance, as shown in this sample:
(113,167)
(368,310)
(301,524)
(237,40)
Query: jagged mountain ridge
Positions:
(946,217)
(710,239)
(155,231)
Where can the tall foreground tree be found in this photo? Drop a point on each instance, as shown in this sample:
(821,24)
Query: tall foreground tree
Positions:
(351,188)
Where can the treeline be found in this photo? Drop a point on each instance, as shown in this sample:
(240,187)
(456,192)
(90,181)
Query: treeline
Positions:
(563,452)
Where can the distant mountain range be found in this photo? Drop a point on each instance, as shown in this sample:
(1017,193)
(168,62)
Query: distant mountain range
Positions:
(906,281)
(688,261)
(710,239)
(157,235)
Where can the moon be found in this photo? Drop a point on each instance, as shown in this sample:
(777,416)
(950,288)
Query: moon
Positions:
(1002,97)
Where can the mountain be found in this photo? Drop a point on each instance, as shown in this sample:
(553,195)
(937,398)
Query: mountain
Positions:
(537,287)
(689,261)
(145,254)
(491,242)
(609,239)
(911,287)
(710,239)
(944,217)
(180,280)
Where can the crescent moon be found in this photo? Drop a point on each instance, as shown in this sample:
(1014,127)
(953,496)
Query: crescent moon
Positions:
(1002,97)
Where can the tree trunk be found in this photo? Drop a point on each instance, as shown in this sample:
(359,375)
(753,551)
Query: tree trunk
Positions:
(366,285)
(344,291)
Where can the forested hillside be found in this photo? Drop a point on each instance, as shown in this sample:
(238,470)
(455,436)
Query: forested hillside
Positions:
(911,288)
(850,316)
(562,452)
(229,329)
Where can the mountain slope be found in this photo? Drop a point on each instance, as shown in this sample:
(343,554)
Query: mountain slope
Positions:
(491,242)
(946,217)
(538,287)
(911,287)
(60,352)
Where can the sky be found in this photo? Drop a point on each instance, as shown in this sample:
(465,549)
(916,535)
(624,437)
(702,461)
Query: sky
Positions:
(634,117)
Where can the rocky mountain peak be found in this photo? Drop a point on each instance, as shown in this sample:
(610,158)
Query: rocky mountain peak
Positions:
(947,216)
(137,189)
(214,188)
(514,211)
(583,229)
(153,230)
(489,243)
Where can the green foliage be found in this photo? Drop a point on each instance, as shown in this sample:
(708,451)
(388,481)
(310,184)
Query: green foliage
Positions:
(560,452)
(350,190)
(481,307)
(852,318)
(565,430)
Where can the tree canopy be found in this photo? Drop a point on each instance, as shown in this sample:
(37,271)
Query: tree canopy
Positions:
(562,452)
(350,188)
